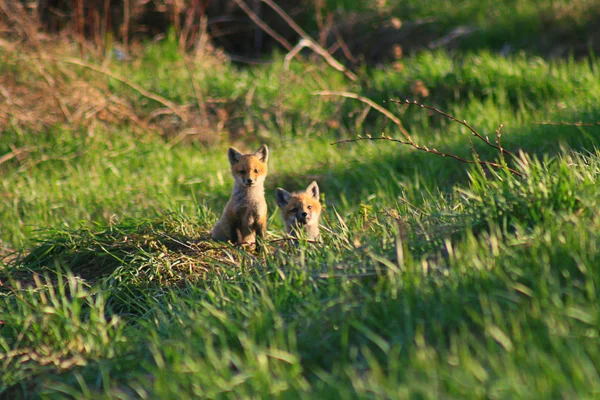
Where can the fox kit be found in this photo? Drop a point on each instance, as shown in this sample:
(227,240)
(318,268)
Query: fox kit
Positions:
(245,215)
(300,210)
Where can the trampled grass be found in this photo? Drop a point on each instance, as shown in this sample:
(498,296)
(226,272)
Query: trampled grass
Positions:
(434,278)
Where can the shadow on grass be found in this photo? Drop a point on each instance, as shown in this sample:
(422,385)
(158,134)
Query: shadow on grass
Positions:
(171,243)
(354,181)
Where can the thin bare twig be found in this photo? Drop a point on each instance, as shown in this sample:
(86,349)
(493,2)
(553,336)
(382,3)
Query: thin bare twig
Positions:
(463,122)
(428,150)
(371,103)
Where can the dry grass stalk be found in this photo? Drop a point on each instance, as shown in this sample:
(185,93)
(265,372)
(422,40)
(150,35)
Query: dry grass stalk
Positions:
(62,96)
(58,97)
(320,51)
(308,41)
(341,43)
(197,92)
(372,104)
(14,153)
(52,85)
(22,23)
(167,103)
(568,123)
(188,65)
(80,25)
(256,19)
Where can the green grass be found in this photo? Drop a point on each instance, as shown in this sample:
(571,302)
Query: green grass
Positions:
(435,279)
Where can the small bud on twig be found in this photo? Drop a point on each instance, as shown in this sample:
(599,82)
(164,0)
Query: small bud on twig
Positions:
(416,146)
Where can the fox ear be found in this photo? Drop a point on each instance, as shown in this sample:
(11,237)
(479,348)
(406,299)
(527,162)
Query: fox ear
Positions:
(282,197)
(234,155)
(313,190)
(262,153)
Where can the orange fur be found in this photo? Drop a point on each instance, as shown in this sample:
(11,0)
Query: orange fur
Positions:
(300,211)
(245,215)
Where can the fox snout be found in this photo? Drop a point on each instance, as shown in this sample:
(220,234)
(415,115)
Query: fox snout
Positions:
(303,217)
(250,180)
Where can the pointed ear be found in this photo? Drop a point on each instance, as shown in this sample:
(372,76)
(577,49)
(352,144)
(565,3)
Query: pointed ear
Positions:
(313,190)
(282,197)
(262,153)
(234,155)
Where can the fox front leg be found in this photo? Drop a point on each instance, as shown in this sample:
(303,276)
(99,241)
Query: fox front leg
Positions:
(234,234)
(261,232)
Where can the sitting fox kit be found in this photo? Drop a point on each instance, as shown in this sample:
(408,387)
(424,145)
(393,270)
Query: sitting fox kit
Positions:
(300,211)
(245,215)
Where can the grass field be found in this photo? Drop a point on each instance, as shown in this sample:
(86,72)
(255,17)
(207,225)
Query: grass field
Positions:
(435,278)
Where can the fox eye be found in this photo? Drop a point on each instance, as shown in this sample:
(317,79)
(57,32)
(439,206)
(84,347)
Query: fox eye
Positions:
(294,209)
(256,171)
(310,207)
(242,172)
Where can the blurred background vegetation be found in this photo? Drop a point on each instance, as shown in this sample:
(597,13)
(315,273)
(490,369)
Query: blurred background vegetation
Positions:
(436,278)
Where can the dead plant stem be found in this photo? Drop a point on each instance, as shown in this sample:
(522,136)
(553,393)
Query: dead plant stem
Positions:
(167,103)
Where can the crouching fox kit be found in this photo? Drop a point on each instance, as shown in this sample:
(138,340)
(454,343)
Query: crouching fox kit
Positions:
(245,215)
(300,211)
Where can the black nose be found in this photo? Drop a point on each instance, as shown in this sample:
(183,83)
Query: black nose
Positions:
(249,180)
(304,214)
